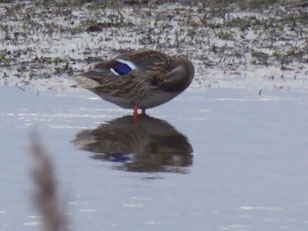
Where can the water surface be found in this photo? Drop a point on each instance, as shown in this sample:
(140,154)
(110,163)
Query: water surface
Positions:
(240,164)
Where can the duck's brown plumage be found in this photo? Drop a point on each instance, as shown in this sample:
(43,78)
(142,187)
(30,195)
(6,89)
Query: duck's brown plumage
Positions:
(154,79)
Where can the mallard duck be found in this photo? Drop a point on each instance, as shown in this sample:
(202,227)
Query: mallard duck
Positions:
(139,79)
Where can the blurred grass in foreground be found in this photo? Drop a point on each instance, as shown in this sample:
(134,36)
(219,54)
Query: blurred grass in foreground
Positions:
(45,194)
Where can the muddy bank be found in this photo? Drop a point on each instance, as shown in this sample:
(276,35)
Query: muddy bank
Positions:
(261,45)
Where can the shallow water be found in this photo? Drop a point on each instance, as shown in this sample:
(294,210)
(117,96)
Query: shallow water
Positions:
(241,162)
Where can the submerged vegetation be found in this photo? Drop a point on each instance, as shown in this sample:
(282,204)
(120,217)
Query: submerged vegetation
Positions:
(46,38)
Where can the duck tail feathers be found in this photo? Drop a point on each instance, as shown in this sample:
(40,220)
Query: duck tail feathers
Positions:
(86,82)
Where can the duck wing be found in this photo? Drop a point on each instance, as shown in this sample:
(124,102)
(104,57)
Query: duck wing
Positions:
(136,66)
(111,72)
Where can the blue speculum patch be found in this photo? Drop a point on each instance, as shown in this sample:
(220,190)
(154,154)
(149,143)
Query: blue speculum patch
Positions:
(121,68)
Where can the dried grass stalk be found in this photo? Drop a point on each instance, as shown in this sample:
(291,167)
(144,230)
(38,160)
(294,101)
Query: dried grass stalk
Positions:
(45,197)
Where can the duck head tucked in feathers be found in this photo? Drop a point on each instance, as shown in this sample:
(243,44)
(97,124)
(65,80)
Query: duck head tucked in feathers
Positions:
(140,79)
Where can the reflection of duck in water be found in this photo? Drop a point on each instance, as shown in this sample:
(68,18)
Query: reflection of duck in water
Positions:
(148,145)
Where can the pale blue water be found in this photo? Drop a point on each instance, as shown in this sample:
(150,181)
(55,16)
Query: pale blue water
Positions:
(249,169)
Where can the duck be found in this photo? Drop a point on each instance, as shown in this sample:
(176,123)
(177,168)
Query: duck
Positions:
(139,79)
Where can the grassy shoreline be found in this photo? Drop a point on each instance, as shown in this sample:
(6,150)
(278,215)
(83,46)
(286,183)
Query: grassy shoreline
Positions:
(44,39)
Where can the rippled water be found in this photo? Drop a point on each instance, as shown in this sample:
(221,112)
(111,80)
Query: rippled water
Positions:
(220,159)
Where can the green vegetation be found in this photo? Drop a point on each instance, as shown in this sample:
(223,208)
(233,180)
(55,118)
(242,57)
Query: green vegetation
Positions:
(221,34)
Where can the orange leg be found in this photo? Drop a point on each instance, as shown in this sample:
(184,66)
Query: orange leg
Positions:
(135,109)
